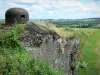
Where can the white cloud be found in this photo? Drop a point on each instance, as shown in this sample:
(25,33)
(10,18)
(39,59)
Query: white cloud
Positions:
(63,7)
(25,1)
(12,4)
(63,3)
(2,12)
(1,3)
(38,8)
(91,7)
(59,4)
(51,12)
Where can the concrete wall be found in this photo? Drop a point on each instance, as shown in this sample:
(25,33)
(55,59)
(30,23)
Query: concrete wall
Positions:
(50,47)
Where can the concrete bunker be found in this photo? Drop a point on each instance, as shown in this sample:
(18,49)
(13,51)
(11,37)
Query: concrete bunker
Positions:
(16,15)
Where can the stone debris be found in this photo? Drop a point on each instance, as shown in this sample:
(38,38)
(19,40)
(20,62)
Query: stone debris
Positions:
(84,65)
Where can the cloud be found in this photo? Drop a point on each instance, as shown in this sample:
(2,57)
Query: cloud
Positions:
(2,13)
(91,7)
(55,8)
(58,4)
(12,4)
(23,1)
(1,3)
(96,0)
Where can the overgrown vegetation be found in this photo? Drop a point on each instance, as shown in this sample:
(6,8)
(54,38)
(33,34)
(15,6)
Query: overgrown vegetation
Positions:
(61,32)
(90,50)
(90,55)
(14,60)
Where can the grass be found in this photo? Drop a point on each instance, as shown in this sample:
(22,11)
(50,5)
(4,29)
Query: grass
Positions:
(14,60)
(90,48)
(61,32)
(91,56)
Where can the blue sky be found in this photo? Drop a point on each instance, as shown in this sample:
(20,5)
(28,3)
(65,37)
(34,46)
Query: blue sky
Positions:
(54,9)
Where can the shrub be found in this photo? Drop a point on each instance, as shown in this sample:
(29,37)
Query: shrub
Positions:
(14,59)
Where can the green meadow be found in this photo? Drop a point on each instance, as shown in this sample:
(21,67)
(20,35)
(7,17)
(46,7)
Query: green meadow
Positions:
(90,50)
(91,54)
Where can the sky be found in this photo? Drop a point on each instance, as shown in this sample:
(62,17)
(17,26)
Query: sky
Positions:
(54,9)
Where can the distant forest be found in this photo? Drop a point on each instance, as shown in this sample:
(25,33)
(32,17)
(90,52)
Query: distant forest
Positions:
(72,23)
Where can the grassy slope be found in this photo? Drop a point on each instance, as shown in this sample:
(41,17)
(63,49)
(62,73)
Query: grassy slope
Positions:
(91,55)
(52,27)
(90,50)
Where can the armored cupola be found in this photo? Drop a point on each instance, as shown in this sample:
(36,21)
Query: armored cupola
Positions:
(16,15)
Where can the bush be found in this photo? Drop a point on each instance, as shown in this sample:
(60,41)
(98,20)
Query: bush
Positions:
(14,59)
